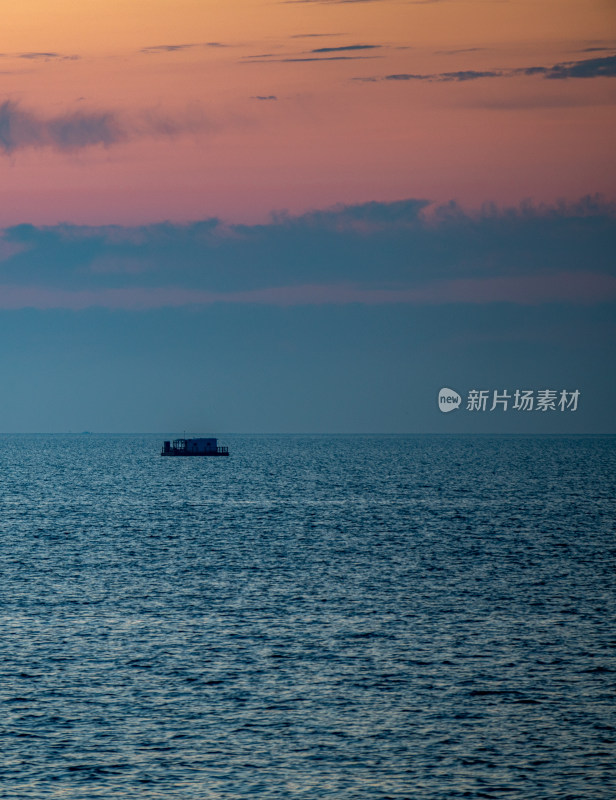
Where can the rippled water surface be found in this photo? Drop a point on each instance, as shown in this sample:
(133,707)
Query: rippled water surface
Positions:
(313,617)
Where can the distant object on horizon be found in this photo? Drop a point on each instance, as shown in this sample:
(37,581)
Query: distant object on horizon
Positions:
(193,447)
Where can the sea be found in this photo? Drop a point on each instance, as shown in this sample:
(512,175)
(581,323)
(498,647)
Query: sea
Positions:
(348,617)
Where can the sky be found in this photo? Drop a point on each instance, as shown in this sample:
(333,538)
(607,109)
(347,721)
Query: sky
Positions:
(307,215)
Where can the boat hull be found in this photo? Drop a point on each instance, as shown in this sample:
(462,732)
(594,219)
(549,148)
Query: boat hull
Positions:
(195,455)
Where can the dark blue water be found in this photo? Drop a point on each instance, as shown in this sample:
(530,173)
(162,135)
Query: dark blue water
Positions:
(313,617)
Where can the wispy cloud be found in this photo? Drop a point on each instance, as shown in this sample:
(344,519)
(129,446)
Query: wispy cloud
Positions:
(48,57)
(76,130)
(441,77)
(327,53)
(604,67)
(349,2)
(314,35)
(588,68)
(303,59)
(459,50)
(41,56)
(337,2)
(174,48)
(345,47)
(264,97)
(20,129)
(325,58)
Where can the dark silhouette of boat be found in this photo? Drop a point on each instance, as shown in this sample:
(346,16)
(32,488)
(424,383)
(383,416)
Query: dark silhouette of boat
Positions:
(193,447)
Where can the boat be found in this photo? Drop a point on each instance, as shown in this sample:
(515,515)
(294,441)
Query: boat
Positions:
(193,447)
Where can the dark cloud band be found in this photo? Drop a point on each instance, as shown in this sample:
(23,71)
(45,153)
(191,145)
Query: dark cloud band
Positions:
(375,253)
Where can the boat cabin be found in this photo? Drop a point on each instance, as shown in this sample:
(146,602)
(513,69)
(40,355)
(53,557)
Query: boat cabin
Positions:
(193,447)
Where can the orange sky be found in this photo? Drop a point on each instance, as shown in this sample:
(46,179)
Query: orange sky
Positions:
(182,135)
